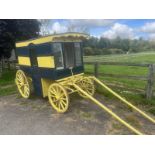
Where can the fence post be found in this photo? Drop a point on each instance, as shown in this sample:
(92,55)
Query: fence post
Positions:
(150,82)
(96,69)
(8,64)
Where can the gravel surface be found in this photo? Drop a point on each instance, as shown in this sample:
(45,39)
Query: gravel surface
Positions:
(35,116)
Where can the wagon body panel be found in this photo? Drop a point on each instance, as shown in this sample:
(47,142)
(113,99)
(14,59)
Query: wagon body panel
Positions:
(37,58)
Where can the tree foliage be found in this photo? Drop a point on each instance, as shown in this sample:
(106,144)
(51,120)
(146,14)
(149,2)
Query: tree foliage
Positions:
(97,46)
(12,30)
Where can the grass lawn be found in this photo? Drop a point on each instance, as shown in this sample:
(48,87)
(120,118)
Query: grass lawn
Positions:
(144,57)
(7,84)
(126,87)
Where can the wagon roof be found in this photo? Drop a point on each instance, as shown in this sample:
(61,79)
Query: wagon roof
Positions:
(53,38)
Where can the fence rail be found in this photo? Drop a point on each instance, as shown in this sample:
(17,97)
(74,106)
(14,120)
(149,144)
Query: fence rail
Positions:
(6,64)
(148,78)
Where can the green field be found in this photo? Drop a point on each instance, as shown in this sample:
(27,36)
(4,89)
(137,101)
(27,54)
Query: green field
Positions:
(145,57)
(7,84)
(141,58)
(129,88)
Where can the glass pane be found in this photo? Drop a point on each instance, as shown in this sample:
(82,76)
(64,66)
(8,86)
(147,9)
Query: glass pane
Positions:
(69,54)
(58,55)
(78,54)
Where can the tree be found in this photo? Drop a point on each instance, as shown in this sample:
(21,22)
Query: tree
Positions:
(44,26)
(12,30)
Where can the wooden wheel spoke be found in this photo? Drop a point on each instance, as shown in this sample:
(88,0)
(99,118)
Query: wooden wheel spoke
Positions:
(52,95)
(58,97)
(63,102)
(62,105)
(87,85)
(22,84)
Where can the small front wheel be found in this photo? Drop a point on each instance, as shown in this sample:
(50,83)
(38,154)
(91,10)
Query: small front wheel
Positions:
(86,84)
(58,97)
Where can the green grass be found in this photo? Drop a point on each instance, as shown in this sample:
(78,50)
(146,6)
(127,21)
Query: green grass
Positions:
(128,88)
(8,91)
(8,77)
(7,84)
(147,57)
(144,57)
(121,70)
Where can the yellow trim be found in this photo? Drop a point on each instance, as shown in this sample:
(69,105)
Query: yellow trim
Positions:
(36,41)
(57,37)
(45,85)
(46,62)
(24,61)
(69,78)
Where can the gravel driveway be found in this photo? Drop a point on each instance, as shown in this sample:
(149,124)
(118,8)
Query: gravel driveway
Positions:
(35,116)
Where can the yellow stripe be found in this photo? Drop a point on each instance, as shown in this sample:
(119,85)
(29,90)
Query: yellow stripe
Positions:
(46,62)
(56,37)
(24,61)
(36,41)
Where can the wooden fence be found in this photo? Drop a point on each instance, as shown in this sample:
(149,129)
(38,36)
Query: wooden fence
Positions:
(148,78)
(6,65)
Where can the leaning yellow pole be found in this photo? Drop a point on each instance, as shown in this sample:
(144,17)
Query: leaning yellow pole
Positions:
(108,110)
(124,100)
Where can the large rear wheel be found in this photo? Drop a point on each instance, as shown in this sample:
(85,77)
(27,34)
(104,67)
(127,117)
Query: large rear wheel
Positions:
(58,97)
(22,83)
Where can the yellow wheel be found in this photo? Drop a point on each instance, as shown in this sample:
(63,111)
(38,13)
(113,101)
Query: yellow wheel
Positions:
(22,84)
(58,97)
(87,85)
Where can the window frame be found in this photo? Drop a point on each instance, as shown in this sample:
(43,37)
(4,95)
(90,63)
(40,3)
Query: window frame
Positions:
(58,68)
(63,54)
(81,55)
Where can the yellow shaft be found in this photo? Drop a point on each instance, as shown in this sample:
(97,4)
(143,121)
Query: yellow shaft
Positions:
(109,111)
(124,100)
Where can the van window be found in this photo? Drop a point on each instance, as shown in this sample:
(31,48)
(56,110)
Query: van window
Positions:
(78,56)
(58,56)
(69,54)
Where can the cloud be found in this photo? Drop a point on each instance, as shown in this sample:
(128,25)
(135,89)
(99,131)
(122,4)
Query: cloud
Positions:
(151,36)
(72,25)
(119,30)
(148,27)
(78,25)
(91,22)
(58,28)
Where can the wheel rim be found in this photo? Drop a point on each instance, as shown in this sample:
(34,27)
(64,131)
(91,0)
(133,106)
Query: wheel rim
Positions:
(58,98)
(87,85)
(22,84)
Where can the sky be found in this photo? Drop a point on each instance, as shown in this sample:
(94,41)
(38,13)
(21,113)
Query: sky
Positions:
(123,28)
